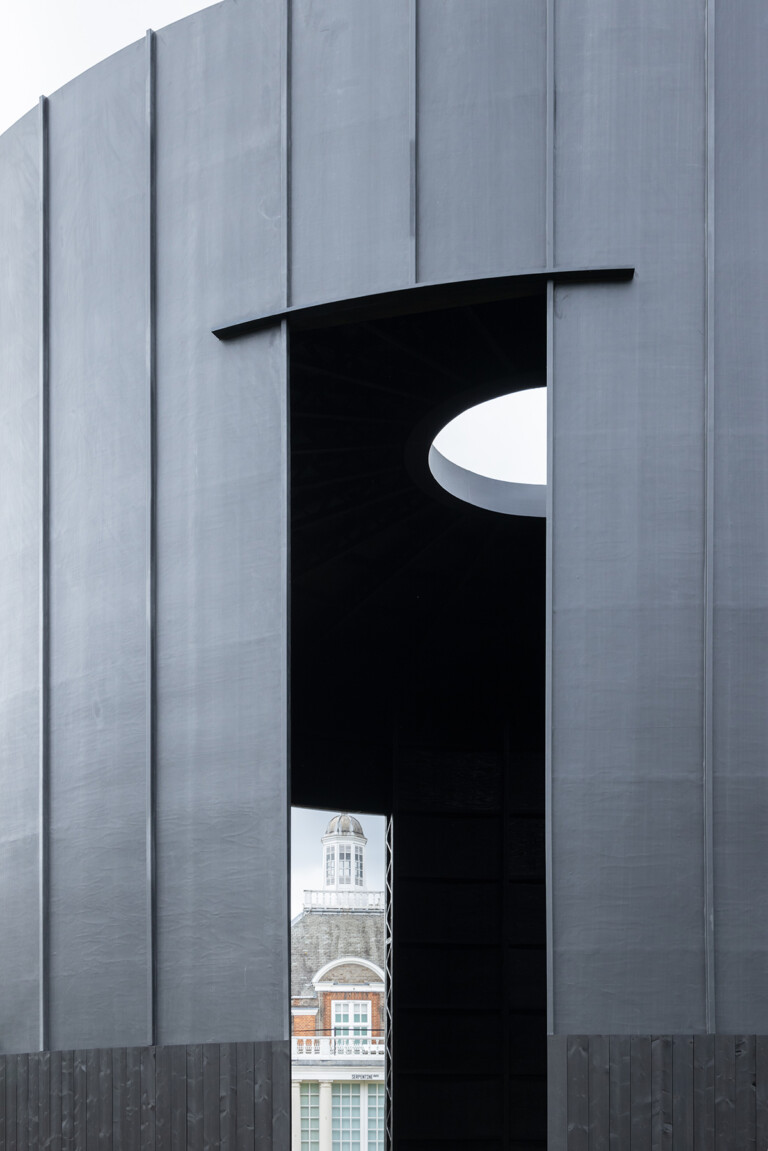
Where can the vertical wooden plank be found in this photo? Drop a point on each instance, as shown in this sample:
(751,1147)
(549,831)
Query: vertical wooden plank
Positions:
(210,1097)
(761,1091)
(262,1095)
(228,1096)
(11,1097)
(55,1081)
(725,1093)
(2,1101)
(163,1099)
(281,1094)
(44,1099)
(22,1104)
(178,1098)
(682,1092)
(599,1092)
(33,1102)
(578,1093)
(148,1099)
(119,1098)
(661,1092)
(640,1089)
(92,1099)
(104,1101)
(194,1097)
(67,1100)
(80,1096)
(704,1093)
(557,1093)
(132,1099)
(620,1092)
(744,1117)
(245,1056)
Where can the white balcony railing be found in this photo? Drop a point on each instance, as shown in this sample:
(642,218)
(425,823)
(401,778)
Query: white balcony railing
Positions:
(336,900)
(337,1047)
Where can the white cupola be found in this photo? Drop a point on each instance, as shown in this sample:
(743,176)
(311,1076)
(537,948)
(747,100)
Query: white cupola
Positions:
(344,856)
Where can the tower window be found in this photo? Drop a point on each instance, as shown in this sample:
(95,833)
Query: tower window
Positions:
(345,864)
(358,866)
(330,865)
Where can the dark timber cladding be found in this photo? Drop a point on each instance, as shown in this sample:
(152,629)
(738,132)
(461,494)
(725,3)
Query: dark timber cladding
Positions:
(211,1095)
(661,1091)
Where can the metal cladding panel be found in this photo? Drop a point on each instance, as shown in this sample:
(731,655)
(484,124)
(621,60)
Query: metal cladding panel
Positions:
(99,443)
(19,581)
(628,525)
(481,136)
(350,181)
(222,805)
(740,530)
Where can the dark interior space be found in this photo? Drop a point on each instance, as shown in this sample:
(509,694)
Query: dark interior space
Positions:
(418,687)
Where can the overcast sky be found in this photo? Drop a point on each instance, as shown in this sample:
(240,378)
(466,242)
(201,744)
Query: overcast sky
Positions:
(307,829)
(45,43)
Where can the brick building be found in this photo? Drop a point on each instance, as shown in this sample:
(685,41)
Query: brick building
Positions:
(338,1002)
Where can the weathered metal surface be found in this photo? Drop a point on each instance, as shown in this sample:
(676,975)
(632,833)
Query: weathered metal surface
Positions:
(221,819)
(20,274)
(480,137)
(350,172)
(628,523)
(98,446)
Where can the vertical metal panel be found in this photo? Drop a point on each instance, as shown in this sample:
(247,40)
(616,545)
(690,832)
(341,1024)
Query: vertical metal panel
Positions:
(278,1103)
(262,1093)
(628,510)
(482,137)
(741,533)
(20,291)
(98,441)
(11,1079)
(43,1100)
(350,158)
(221,818)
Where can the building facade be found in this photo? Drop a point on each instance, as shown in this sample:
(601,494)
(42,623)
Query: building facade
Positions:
(338,1002)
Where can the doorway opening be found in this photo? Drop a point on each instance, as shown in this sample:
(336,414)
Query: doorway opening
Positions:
(339,981)
(418,688)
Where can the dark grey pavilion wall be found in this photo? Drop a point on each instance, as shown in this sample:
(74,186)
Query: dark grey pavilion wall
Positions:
(144,839)
(659,549)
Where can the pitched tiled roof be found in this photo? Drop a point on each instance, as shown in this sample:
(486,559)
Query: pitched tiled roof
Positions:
(318,937)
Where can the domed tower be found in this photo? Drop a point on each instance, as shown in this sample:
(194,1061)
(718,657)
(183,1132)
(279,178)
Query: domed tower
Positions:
(344,870)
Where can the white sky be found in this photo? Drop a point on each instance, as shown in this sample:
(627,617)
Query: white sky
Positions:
(45,43)
(505,438)
(307,828)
